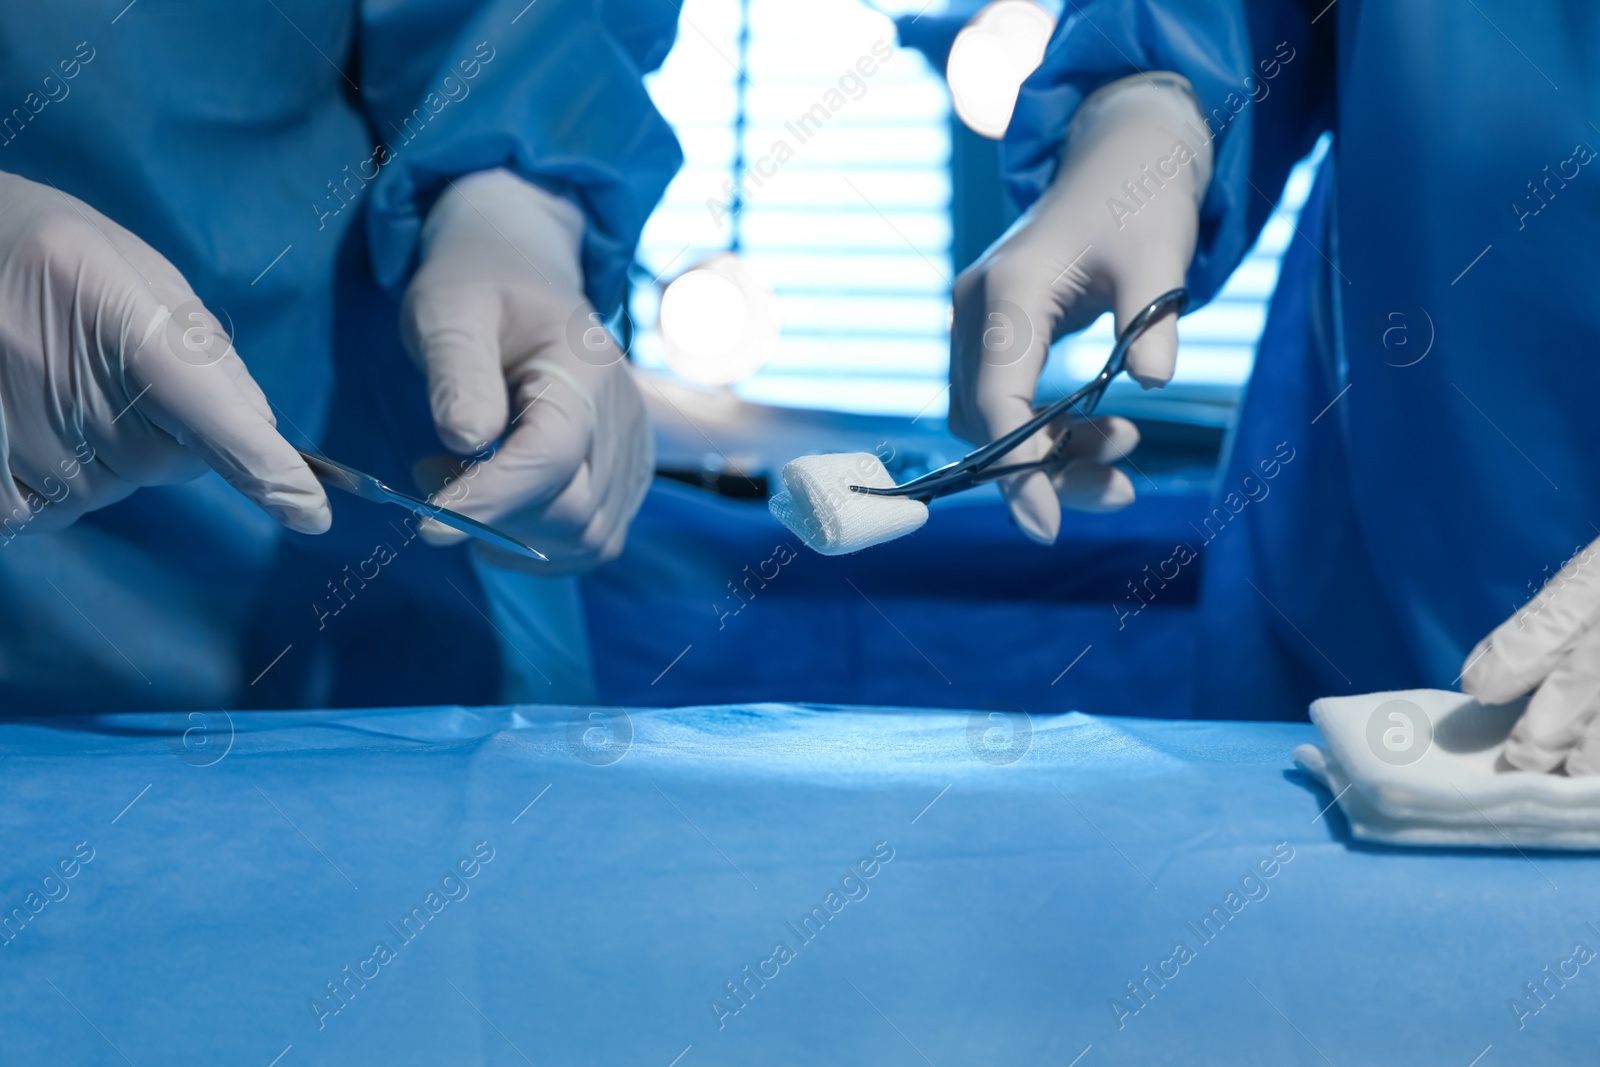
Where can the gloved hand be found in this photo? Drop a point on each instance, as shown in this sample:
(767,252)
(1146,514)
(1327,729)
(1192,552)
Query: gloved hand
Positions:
(1551,648)
(114,376)
(497,318)
(1115,230)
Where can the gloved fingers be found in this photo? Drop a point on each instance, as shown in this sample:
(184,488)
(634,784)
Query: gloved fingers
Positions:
(571,530)
(1082,480)
(1584,759)
(613,484)
(998,346)
(615,544)
(548,441)
(1031,496)
(247,385)
(433,473)
(196,336)
(623,460)
(1153,357)
(201,405)
(1103,439)
(58,502)
(570,544)
(125,396)
(619,477)
(252,457)
(1085,485)
(586,522)
(1001,326)
(54,482)
(1561,710)
(1034,505)
(576,525)
(22,507)
(1081,476)
(191,331)
(454,336)
(1520,652)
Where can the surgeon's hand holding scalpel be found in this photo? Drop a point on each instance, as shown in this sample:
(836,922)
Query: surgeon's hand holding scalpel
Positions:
(1550,648)
(114,376)
(497,319)
(1070,258)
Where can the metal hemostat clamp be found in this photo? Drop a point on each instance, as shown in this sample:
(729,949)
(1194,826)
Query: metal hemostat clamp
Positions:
(978,466)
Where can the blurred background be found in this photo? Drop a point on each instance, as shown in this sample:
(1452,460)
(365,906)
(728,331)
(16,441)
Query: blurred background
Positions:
(861,232)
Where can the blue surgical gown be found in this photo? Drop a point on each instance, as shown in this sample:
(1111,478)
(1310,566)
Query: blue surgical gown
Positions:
(1430,353)
(282,155)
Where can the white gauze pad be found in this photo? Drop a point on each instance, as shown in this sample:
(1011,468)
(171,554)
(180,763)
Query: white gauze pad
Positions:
(819,506)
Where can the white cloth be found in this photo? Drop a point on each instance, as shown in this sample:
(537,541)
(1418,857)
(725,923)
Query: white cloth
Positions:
(819,506)
(1426,767)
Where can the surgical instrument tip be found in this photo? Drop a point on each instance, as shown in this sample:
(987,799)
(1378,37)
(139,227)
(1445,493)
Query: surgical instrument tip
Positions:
(365,486)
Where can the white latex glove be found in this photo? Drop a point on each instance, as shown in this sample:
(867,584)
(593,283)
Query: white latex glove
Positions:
(497,318)
(1073,256)
(1551,648)
(114,376)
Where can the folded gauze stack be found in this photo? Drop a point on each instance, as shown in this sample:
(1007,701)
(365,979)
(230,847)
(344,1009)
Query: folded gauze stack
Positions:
(819,506)
(1424,767)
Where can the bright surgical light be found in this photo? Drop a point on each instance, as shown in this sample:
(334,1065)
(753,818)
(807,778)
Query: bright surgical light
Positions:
(719,322)
(991,57)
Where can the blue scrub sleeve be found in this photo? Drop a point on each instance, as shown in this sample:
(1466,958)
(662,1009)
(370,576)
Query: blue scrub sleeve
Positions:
(646,29)
(1263,73)
(550,90)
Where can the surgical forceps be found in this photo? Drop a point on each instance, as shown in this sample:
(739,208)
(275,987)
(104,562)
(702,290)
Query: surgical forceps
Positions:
(978,467)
